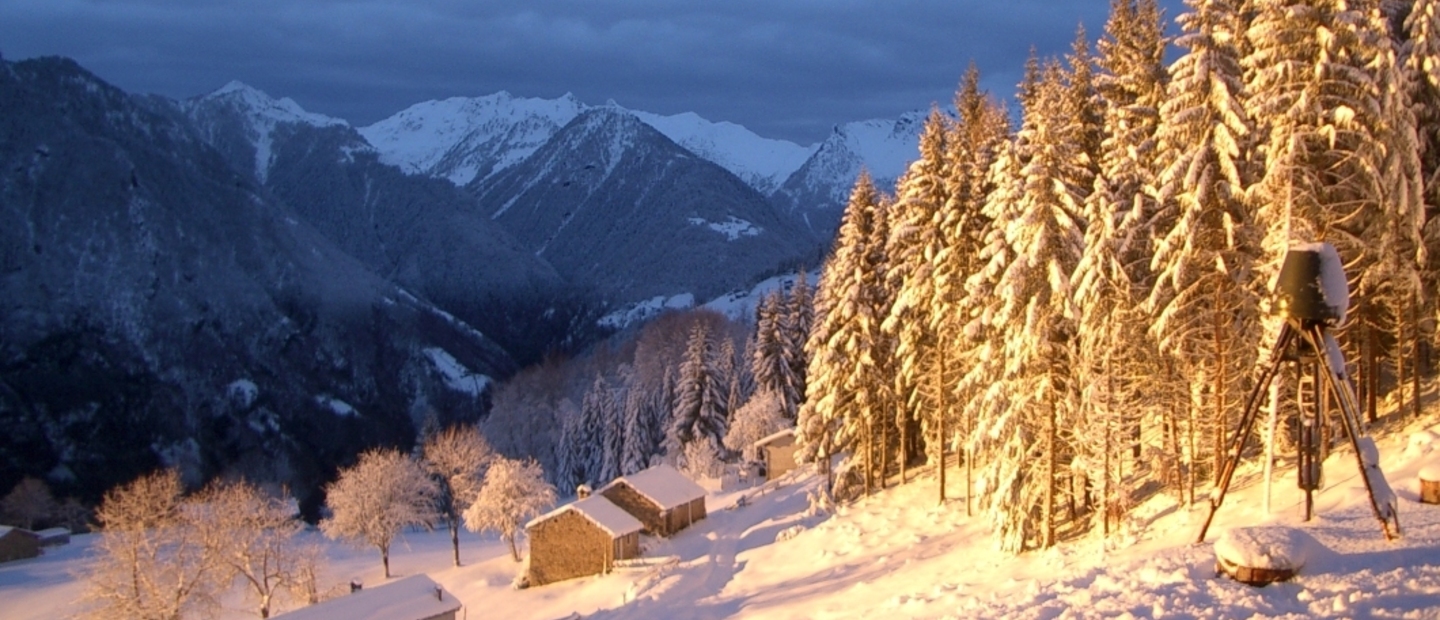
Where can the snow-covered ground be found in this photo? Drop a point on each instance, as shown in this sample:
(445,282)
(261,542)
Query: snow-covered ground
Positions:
(899,554)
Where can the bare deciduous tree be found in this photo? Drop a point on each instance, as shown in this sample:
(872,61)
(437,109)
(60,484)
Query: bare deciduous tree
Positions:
(150,562)
(28,504)
(456,458)
(514,492)
(253,537)
(377,498)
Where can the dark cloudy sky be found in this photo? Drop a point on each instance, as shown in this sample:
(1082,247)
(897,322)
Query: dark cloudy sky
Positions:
(784,68)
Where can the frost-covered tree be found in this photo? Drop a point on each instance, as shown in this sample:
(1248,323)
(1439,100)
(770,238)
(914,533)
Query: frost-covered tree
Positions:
(254,539)
(1421,58)
(761,416)
(514,492)
(645,407)
(374,500)
(612,438)
(799,316)
(770,360)
(150,560)
(981,132)
(456,459)
(848,395)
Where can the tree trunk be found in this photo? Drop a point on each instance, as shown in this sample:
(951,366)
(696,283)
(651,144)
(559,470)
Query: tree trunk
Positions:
(1372,371)
(1415,347)
(514,551)
(385,559)
(455,537)
(1047,511)
(942,403)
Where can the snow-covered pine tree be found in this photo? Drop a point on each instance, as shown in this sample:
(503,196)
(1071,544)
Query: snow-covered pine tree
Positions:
(1115,355)
(612,437)
(769,361)
(1204,300)
(1322,82)
(589,437)
(981,131)
(700,395)
(1038,243)
(846,389)
(913,243)
(799,316)
(727,371)
(642,434)
(1421,62)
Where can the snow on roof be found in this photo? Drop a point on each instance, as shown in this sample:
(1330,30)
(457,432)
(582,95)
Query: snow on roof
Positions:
(599,511)
(771,438)
(663,485)
(411,598)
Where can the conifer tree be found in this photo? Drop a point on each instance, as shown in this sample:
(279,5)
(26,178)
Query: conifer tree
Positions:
(914,241)
(1204,302)
(1323,81)
(1115,364)
(770,361)
(847,390)
(1036,244)
(981,131)
(700,396)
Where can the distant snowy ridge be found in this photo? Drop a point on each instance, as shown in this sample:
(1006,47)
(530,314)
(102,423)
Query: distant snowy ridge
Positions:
(465,138)
(819,188)
(264,114)
(461,138)
(763,163)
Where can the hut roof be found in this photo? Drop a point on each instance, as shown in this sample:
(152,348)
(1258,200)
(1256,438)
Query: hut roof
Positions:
(773,437)
(411,598)
(663,485)
(599,511)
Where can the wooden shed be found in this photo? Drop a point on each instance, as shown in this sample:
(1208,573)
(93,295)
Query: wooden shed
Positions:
(17,543)
(778,453)
(660,497)
(416,597)
(584,537)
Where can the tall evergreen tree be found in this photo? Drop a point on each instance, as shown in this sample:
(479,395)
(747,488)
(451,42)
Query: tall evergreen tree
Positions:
(701,394)
(914,242)
(1205,300)
(770,362)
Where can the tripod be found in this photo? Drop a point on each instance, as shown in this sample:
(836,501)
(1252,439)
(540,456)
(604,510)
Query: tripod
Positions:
(1309,312)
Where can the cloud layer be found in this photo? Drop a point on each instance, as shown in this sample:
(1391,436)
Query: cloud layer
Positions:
(786,69)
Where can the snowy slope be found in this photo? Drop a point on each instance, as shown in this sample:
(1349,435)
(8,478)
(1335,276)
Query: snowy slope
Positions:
(263,114)
(461,138)
(899,555)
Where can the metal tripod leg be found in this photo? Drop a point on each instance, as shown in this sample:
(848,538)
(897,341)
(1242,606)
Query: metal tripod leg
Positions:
(1247,423)
(1350,416)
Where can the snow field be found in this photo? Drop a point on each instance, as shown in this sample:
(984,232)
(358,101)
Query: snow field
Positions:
(898,554)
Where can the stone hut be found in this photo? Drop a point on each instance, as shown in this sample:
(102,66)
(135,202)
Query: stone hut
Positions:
(17,544)
(416,597)
(777,451)
(660,497)
(584,537)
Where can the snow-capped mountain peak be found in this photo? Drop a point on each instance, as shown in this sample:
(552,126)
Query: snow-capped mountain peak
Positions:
(265,107)
(260,113)
(462,138)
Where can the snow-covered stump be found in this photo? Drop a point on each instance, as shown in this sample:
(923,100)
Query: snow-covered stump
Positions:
(1430,483)
(1260,556)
